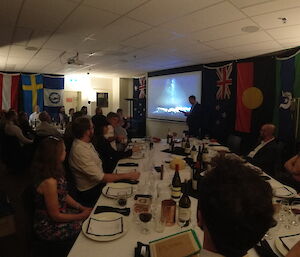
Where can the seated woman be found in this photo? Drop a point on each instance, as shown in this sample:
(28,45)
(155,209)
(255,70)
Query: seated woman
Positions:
(57,215)
(107,153)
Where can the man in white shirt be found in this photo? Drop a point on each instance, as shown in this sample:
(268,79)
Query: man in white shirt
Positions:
(87,166)
(34,117)
(116,134)
(265,154)
(235,209)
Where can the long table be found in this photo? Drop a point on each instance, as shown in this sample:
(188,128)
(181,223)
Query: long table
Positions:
(124,246)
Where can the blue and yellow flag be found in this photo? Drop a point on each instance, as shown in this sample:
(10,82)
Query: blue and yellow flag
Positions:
(32,86)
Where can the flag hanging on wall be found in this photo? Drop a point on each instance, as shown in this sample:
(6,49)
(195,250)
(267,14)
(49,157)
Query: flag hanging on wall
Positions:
(255,94)
(53,94)
(9,91)
(32,86)
(287,88)
(218,99)
(139,94)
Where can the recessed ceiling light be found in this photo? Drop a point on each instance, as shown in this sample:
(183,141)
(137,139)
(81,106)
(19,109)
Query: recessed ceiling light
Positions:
(31,48)
(250,29)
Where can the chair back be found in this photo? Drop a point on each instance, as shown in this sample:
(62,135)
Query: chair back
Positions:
(234,143)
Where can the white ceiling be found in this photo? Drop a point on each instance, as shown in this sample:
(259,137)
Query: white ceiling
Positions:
(132,37)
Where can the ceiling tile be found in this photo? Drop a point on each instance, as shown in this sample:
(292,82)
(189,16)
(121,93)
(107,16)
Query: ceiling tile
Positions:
(285,32)
(270,6)
(20,52)
(156,12)
(289,42)
(22,36)
(271,20)
(38,38)
(208,17)
(9,11)
(244,3)
(222,31)
(121,29)
(116,6)
(149,37)
(47,54)
(253,47)
(6,34)
(4,50)
(240,40)
(63,42)
(45,14)
(86,20)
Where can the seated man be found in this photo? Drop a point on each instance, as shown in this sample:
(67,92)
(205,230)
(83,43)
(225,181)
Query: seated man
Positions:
(265,154)
(116,134)
(87,166)
(11,128)
(45,128)
(235,209)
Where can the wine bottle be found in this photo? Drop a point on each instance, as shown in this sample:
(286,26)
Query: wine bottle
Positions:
(183,143)
(198,169)
(187,146)
(176,184)
(161,172)
(169,136)
(205,157)
(184,211)
(194,153)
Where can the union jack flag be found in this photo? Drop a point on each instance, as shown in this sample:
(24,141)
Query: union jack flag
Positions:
(224,82)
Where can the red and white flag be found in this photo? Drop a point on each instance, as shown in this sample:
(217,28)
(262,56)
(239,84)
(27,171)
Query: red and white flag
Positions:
(9,91)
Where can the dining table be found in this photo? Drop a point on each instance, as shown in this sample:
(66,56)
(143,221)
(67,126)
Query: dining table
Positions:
(149,181)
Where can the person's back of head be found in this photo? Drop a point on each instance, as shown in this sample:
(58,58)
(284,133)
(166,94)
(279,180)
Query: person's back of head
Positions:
(98,111)
(84,110)
(44,117)
(77,115)
(11,116)
(113,118)
(235,207)
(80,126)
(48,158)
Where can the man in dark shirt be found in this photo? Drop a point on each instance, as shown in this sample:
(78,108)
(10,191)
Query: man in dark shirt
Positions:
(99,120)
(193,119)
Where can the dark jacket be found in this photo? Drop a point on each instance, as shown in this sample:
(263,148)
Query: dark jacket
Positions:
(107,154)
(266,158)
(194,119)
(99,121)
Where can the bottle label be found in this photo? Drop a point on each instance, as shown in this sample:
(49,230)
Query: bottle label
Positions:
(187,150)
(184,214)
(176,192)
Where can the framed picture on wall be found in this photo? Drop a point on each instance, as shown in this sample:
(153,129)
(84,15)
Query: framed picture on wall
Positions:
(102,99)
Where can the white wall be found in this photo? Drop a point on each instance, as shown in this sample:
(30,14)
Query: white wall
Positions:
(89,86)
(160,128)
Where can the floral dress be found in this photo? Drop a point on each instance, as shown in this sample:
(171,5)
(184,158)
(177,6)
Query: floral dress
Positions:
(48,229)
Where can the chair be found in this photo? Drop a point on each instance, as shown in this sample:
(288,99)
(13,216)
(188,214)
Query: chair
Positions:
(37,246)
(234,143)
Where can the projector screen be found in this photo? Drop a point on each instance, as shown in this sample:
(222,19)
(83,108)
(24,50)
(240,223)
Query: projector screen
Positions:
(168,95)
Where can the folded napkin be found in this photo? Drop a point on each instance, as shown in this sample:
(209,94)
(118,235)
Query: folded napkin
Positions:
(263,249)
(142,250)
(128,181)
(128,164)
(123,211)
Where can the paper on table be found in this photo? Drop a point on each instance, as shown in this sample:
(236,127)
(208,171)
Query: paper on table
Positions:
(282,191)
(113,191)
(290,241)
(105,227)
(122,170)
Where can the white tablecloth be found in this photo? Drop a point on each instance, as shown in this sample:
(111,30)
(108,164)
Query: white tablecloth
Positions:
(124,246)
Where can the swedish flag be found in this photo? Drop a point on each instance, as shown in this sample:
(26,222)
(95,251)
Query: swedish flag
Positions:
(32,92)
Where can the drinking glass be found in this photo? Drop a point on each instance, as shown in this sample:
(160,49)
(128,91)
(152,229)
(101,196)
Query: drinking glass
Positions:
(145,218)
(285,214)
(160,224)
(121,199)
(293,207)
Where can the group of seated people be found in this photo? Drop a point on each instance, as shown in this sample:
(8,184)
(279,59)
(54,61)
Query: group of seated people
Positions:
(90,149)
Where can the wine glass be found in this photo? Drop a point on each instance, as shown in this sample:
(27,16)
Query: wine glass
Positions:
(285,213)
(293,208)
(121,199)
(145,218)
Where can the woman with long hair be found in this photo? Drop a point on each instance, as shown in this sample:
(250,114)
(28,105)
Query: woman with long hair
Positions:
(57,215)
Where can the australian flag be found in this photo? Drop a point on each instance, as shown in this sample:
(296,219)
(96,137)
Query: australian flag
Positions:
(218,100)
(139,95)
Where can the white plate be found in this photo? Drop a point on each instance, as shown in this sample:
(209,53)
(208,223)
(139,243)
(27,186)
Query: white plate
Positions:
(137,156)
(280,247)
(106,216)
(116,185)
(292,190)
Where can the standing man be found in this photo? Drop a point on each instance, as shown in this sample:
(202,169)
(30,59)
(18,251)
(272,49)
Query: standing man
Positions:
(34,117)
(193,119)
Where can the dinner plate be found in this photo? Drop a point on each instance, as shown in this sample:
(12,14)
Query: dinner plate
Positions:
(292,191)
(280,247)
(137,156)
(106,216)
(116,185)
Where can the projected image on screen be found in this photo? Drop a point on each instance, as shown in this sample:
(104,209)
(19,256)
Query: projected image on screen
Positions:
(168,95)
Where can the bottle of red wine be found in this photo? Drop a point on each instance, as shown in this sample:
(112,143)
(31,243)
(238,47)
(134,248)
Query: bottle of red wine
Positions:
(194,153)
(187,146)
(198,169)
(161,172)
(176,184)
(183,143)
(184,211)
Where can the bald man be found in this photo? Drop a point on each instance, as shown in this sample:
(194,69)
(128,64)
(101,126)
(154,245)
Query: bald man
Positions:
(265,154)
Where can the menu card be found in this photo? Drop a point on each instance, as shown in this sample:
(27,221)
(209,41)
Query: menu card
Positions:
(114,191)
(105,227)
(290,241)
(283,191)
(182,244)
